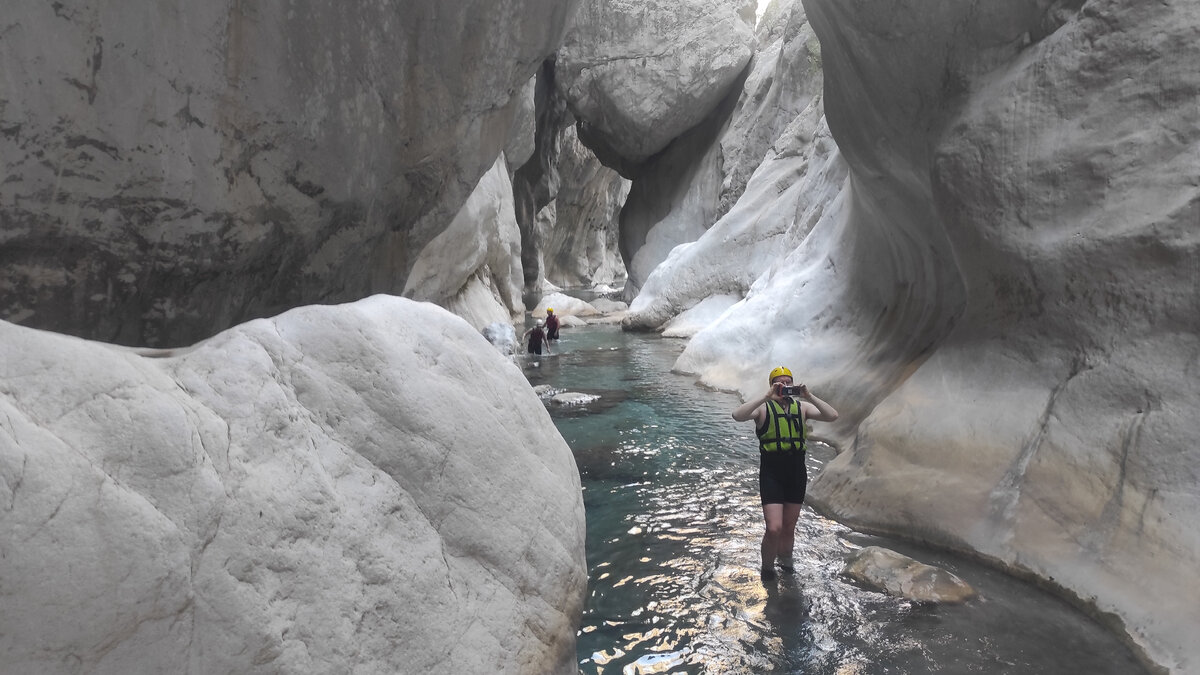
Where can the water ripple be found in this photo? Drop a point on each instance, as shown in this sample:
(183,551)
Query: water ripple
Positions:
(670,489)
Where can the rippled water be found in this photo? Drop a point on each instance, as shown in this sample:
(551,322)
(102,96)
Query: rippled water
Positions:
(674,524)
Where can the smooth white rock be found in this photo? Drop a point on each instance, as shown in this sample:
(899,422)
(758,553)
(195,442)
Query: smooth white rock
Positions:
(608,306)
(474,267)
(703,314)
(294,495)
(573,398)
(503,336)
(521,143)
(698,179)
(899,575)
(564,306)
(1049,426)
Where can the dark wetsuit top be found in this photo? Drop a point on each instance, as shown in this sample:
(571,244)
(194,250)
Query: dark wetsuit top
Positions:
(782,474)
(535,341)
(552,327)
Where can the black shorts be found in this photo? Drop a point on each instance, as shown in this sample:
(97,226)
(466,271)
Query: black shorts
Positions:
(782,477)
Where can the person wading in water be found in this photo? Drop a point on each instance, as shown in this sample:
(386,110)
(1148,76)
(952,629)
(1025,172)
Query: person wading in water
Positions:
(779,417)
(537,338)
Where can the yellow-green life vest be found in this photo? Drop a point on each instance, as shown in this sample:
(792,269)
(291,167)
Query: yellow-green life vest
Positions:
(782,429)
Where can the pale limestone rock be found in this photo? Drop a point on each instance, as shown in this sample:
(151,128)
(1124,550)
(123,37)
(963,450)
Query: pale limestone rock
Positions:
(572,398)
(672,202)
(564,306)
(579,247)
(776,135)
(607,306)
(285,497)
(899,575)
(521,143)
(474,267)
(638,74)
(1011,249)
(171,169)
(503,337)
(1050,428)
(691,321)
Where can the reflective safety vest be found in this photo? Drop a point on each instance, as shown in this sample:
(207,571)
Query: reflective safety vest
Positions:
(783,429)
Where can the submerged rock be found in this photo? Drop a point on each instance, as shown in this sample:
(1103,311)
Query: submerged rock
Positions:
(573,398)
(888,571)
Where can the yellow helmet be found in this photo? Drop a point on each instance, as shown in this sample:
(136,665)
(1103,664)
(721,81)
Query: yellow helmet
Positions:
(779,371)
(550,310)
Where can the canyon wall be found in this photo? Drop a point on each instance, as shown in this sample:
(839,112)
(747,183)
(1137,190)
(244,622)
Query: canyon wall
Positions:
(579,242)
(1050,429)
(972,227)
(174,169)
(995,281)
(649,84)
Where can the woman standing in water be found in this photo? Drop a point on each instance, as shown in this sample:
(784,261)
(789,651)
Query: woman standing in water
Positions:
(779,417)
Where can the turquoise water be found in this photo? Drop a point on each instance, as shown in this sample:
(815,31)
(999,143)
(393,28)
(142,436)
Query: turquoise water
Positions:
(670,489)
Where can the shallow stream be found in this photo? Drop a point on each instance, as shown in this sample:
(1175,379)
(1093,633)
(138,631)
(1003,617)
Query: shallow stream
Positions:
(673,528)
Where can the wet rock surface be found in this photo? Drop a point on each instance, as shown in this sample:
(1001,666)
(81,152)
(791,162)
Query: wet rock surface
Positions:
(896,574)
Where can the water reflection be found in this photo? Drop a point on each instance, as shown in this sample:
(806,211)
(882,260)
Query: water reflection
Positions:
(673,530)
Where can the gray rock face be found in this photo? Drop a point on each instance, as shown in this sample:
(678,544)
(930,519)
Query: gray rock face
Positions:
(639,74)
(171,170)
(535,183)
(580,243)
(281,499)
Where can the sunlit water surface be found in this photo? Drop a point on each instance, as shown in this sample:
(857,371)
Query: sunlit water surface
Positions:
(673,527)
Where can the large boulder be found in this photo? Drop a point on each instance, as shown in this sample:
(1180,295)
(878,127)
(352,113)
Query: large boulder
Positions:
(305,494)
(172,169)
(637,74)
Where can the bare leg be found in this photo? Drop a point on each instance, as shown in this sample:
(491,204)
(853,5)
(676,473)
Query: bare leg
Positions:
(773,516)
(789,515)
